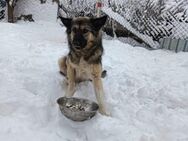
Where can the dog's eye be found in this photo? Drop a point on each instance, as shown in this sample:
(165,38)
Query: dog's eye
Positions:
(85,30)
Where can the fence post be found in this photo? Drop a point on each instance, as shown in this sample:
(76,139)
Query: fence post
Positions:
(10,12)
(98,7)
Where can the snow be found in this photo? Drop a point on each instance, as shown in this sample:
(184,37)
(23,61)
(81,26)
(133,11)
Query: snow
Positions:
(146,91)
(121,20)
(180,30)
(40,12)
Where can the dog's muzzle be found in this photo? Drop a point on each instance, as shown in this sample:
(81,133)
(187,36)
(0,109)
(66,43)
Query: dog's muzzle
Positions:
(77,44)
(79,41)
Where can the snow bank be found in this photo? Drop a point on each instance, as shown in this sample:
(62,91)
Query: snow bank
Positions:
(146,91)
(40,12)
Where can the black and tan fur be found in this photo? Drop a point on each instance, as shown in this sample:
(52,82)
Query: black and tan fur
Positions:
(84,60)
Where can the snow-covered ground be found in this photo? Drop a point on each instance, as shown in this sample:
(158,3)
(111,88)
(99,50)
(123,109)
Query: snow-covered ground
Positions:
(46,11)
(146,91)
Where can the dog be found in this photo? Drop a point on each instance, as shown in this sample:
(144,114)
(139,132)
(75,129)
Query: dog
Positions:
(84,60)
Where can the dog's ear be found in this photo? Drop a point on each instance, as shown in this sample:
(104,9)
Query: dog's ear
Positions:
(66,21)
(98,22)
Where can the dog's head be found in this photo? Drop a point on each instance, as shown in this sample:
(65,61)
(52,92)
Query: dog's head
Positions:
(83,32)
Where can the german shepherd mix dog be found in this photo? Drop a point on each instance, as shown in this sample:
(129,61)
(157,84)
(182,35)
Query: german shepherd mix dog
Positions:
(84,60)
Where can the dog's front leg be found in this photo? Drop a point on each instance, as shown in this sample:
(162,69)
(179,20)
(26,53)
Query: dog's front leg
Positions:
(71,81)
(98,86)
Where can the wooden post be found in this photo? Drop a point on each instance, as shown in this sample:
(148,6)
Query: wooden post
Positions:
(10,13)
(98,8)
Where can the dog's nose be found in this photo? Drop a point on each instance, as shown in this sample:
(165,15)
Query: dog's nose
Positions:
(79,41)
(76,43)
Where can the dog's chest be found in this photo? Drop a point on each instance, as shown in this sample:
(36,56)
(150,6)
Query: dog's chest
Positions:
(83,69)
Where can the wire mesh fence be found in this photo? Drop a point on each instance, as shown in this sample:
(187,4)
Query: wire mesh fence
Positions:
(2,9)
(145,21)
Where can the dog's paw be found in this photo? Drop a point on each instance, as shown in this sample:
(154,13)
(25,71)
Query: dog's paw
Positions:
(104,112)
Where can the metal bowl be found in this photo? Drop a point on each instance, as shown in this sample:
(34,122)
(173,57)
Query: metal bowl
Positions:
(77,109)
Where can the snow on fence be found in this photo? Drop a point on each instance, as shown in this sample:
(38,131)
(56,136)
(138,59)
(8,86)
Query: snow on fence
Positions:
(118,18)
(147,20)
(2,9)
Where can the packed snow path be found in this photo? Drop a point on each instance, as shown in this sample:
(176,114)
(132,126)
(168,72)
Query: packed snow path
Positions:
(146,91)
